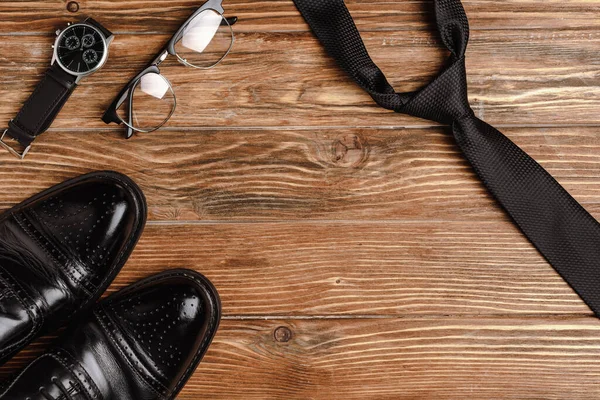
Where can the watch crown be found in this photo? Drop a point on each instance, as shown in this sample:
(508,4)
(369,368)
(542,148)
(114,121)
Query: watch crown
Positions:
(57,32)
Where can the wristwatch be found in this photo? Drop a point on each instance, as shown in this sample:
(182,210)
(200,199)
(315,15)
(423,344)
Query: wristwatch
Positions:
(79,50)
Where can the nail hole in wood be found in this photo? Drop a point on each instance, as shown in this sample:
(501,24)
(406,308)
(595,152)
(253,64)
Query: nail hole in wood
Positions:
(73,6)
(283,334)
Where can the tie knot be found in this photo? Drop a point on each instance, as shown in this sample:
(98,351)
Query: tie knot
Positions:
(445,99)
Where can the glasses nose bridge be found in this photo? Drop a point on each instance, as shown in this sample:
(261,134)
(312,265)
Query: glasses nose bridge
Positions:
(161,57)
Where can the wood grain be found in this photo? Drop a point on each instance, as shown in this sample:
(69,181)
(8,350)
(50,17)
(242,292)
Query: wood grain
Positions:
(356,253)
(352,268)
(395,359)
(304,174)
(286,79)
(40,16)
(425,358)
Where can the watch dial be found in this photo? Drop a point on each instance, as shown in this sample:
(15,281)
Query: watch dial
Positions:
(80,48)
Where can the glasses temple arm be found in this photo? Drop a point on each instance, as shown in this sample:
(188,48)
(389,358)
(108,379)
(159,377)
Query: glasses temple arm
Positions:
(129,131)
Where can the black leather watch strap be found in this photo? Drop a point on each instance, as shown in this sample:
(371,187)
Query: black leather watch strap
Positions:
(107,34)
(42,107)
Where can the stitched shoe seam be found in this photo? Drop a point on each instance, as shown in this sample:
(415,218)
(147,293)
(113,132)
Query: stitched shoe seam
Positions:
(75,384)
(99,313)
(143,346)
(28,103)
(57,355)
(19,221)
(83,265)
(67,268)
(6,295)
(37,318)
(136,194)
(135,234)
(208,336)
(23,373)
(140,216)
(116,264)
(211,326)
(133,237)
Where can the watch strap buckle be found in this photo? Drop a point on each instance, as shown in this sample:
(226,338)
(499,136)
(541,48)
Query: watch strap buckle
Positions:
(20,155)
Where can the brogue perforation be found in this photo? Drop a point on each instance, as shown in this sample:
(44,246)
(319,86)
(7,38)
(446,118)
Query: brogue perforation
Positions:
(58,258)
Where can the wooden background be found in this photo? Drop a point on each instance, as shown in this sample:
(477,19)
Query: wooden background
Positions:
(356,254)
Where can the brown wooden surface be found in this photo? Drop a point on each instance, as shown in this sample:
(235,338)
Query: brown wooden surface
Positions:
(357,255)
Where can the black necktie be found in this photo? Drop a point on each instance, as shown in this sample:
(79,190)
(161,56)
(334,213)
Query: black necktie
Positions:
(559,227)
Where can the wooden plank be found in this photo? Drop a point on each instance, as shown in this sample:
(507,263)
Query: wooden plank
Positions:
(270,175)
(391,359)
(285,79)
(39,16)
(354,260)
(447,358)
(352,268)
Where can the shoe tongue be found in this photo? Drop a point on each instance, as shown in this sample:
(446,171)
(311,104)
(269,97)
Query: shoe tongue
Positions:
(42,373)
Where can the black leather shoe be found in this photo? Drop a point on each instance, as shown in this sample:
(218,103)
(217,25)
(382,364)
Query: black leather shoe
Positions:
(60,250)
(142,343)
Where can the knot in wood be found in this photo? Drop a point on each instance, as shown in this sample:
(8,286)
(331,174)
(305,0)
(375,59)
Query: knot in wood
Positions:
(283,334)
(349,150)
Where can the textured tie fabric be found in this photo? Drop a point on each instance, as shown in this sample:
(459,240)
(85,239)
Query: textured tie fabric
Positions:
(559,227)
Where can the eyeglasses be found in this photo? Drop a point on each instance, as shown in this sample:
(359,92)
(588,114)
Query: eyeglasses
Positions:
(148,101)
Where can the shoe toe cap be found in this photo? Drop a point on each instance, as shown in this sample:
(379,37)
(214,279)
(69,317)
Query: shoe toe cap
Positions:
(94,220)
(169,322)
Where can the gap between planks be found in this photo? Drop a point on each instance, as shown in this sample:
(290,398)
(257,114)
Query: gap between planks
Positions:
(406,221)
(288,31)
(428,317)
(167,130)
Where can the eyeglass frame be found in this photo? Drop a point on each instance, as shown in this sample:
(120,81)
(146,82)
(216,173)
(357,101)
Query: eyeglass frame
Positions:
(111,115)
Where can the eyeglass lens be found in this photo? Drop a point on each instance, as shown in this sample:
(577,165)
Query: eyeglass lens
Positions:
(206,40)
(150,104)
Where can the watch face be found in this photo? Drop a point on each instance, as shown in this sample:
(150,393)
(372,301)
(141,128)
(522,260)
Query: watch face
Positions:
(80,49)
